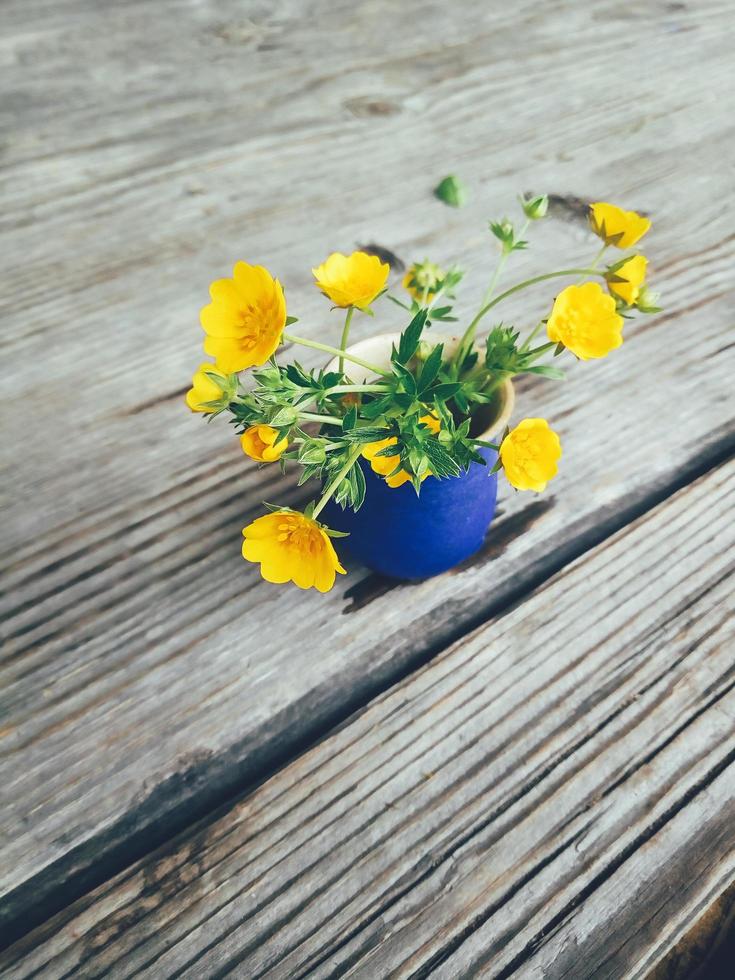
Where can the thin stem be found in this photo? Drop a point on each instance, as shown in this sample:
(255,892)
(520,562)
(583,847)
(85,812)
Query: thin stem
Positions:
(497,382)
(469,334)
(351,459)
(596,260)
(527,342)
(435,297)
(289,337)
(544,347)
(325,419)
(500,265)
(484,442)
(345,389)
(345,335)
(327,446)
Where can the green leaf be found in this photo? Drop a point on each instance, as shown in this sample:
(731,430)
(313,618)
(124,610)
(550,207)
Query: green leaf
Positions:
(431,368)
(286,416)
(368,433)
(343,492)
(461,401)
(406,402)
(349,420)
(308,473)
(445,390)
(407,379)
(291,319)
(398,302)
(357,479)
(451,191)
(441,462)
(312,452)
(410,338)
(389,451)
(374,409)
(547,371)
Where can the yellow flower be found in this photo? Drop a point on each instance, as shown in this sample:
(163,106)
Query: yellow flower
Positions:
(351,280)
(421,276)
(259,442)
(617,227)
(204,389)
(292,548)
(584,319)
(384,465)
(245,319)
(626,279)
(529,455)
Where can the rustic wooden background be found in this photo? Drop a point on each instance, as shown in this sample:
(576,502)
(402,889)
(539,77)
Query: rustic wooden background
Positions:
(543,781)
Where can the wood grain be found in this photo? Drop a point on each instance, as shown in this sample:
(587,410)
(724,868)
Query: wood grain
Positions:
(553,796)
(147,673)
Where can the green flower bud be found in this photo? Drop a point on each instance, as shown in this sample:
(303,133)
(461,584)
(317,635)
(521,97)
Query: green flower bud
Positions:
(535,207)
(312,451)
(451,191)
(647,301)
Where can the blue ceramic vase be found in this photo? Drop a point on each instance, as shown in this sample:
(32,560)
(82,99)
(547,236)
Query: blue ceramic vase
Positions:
(406,536)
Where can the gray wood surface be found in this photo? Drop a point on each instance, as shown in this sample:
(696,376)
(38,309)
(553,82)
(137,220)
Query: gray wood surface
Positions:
(147,672)
(553,796)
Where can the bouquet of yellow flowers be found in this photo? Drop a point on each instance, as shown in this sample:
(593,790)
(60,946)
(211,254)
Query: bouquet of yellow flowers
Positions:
(368,428)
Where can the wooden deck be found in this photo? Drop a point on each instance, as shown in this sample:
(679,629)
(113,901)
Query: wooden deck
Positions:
(525,767)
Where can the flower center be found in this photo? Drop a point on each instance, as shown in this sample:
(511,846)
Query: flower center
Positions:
(299,538)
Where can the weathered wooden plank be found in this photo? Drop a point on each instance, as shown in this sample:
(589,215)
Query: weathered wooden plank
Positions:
(553,795)
(127,609)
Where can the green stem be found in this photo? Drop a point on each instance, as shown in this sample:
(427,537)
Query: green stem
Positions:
(345,389)
(500,265)
(325,419)
(497,382)
(469,334)
(484,442)
(437,295)
(345,335)
(327,446)
(527,342)
(290,338)
(596,260)
(351,460)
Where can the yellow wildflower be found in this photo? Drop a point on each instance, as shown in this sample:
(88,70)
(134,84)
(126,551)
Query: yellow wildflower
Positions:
(204,389)
(617,227)
(245,319)
(625,279)
(529,454)
(585,320)
(259,442)
(351,280)
(291,547)
(422,276)
(384,465)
